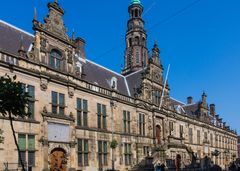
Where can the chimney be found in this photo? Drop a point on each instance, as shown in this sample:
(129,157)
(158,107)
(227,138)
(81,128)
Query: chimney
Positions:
(212,110)
(80,43)
(189,100)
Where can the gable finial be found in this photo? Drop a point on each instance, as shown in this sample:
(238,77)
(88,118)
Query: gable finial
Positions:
(73,34)
(35,14)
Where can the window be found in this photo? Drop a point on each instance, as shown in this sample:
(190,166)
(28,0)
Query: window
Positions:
(141,124)
(181,131)
(58,103)
(129,57)
(198,137)
(82,112)
(114,83)
(31,93)
(205,137)
(30,90)
(126,122)
(146,150)
(156,97)
(27,149)
(127,154)
(170,127)
(190,136)
(211,139)
(83,152)
(137,56)
(216,140)
(136,13)
(102,153)
(55,57)
(102,115)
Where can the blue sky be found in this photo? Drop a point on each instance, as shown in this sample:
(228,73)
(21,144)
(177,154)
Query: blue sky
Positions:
(202,43)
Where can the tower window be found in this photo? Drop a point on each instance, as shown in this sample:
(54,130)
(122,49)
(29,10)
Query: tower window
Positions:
(55,57)
(137,40)
(137,56)
(129,59)
(130,42)
(136,13)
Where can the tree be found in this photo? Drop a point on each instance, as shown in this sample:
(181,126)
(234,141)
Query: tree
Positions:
(13,103)
(113,146)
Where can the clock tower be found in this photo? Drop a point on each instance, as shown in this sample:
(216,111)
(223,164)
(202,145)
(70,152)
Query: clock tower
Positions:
(136,52)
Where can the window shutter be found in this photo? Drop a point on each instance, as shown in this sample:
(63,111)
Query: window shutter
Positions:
(99,109)
(85,145)
(79,104)
(61,99)
(31,91)
(104,110)
(85,105)
(54,98)
(31,142)
(22,141)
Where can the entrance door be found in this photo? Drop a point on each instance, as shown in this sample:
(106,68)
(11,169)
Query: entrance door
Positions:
(158,134)
(58,160)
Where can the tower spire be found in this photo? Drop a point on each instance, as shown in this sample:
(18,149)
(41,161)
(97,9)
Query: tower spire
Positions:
(35,14)
(136,52)
(136,2)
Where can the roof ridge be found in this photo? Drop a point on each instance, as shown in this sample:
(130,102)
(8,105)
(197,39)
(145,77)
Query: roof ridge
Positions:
(178,101)
(105,68)
(186,105)
(135,72)
(16,28)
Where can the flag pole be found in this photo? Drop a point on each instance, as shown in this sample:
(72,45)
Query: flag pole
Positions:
(160,105)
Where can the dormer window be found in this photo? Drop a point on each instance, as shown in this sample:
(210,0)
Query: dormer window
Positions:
(114,83)
(55,57)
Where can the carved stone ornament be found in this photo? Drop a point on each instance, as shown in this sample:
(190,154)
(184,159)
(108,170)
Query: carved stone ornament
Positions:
(43,84)
(31,56)
(70,57)
(70,92)
(45,109)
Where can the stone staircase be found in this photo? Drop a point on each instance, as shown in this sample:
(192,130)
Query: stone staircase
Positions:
(147,164)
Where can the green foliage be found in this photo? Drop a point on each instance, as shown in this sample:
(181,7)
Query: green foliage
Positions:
(113,144)
(13,99)
(1,137)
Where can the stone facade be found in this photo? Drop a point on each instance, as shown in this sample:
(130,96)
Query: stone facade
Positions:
(238,146)
(80,107)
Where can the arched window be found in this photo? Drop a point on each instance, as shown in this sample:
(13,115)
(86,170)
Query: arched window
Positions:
(137,40)
(136,13)
(144,41)
(129,42)
(55,57)
(129,59)
(137,56)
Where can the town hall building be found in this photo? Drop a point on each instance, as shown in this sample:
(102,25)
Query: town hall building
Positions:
(79,108)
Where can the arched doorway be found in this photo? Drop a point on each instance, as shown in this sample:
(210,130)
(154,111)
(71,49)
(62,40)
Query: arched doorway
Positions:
(58,160)
(158,134)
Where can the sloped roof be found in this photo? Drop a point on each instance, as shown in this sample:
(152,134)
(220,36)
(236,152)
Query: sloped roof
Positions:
(10,38)
(134,80)
(191,109)
(99,75)
(10,41)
